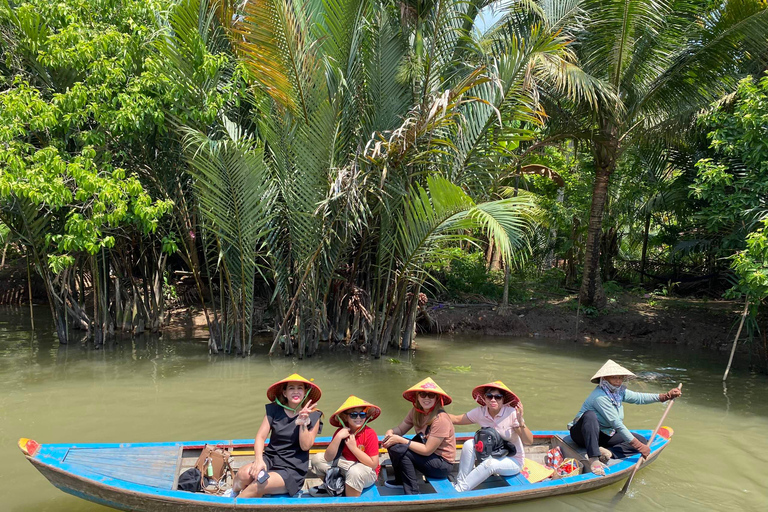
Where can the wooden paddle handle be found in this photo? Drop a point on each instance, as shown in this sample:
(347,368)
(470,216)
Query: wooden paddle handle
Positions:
(656,431)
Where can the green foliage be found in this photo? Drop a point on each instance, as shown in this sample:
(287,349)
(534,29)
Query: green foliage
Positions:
(734,184)
(75,108)
(463,274)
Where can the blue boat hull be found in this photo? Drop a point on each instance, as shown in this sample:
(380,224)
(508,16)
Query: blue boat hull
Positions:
(142,477)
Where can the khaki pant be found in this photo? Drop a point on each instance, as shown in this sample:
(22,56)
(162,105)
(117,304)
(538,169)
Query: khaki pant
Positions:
(356,474)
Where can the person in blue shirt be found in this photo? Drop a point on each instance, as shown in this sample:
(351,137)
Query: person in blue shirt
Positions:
(599,424)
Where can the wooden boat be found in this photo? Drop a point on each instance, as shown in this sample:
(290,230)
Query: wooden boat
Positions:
(143,477)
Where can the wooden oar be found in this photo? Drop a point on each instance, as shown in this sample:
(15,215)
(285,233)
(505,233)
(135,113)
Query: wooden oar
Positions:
(656,431)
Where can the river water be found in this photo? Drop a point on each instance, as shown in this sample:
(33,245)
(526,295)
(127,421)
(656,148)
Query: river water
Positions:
(149,389)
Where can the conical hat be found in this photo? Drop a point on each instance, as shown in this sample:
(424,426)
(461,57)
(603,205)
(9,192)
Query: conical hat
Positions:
(510,398)
(611,368)
(276,388)
(353,402)
(428,385)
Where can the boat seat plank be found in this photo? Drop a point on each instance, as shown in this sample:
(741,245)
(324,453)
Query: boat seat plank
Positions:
(442,485)
(518,479)
(154,466)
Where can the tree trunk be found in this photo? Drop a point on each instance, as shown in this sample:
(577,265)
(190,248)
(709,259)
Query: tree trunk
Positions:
(410,323)
(644,255)
(591,293)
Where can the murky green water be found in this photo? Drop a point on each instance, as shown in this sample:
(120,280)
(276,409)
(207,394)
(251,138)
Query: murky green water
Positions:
(165,390)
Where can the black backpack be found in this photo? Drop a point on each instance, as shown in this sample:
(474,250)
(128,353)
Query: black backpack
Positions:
(489,443)
(334,480)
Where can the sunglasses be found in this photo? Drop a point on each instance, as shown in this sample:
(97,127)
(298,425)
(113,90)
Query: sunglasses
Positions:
(422,394)
(492,396)
(355,415)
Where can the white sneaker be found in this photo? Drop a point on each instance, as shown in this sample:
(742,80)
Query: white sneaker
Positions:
(229,493)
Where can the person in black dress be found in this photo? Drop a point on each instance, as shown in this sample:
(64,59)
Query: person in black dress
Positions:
(291,423)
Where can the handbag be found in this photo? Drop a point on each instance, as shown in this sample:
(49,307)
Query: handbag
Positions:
(214,467)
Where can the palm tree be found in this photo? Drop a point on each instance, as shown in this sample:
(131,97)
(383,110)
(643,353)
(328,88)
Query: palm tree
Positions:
(370,119)
(664,61)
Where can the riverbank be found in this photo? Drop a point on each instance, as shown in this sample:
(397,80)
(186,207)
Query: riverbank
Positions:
(702,323)
(628,318)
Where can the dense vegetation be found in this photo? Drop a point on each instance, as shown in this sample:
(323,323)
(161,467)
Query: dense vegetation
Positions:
(343,161)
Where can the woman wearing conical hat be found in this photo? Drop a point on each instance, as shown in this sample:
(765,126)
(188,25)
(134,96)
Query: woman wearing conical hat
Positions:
(501,410)
(433,449)
(359,462)
(599,424)
(291,423)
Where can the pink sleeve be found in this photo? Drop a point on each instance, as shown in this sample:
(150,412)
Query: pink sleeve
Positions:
(475,414)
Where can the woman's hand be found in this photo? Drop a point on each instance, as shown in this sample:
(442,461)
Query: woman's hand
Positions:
(393,440)
(519,411)
(670,395)
(343,434)
(256,468)
(303,418)
(351,440)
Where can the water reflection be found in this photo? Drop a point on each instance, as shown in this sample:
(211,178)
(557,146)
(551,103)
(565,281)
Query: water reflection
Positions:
(147,388)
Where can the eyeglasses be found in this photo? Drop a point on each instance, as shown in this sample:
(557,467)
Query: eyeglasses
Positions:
(423,394)
(492,396)
(355,415)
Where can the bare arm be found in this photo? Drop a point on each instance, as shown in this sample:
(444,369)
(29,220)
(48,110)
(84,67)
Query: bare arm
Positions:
(360,455)
(521,429)
(258,448)
(461,419)
(307,436)
(333,447)
(399,430)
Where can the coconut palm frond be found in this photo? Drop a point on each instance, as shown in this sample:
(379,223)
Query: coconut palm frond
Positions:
(235,198)
(444,212)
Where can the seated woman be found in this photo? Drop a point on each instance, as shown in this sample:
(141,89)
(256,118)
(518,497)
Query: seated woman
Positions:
(435,455)
(291,423)
(599,424)
(501,410)
(359,462)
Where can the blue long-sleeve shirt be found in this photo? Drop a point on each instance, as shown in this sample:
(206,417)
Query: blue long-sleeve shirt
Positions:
(610,416)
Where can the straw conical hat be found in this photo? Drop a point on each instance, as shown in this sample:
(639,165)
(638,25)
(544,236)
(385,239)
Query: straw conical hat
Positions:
(353,402)
(429,386)
(510,398)
(612,368)
(276,388)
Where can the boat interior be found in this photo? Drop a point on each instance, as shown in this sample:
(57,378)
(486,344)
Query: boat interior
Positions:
(242,455)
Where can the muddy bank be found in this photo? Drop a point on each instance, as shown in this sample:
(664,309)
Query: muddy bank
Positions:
(707,324)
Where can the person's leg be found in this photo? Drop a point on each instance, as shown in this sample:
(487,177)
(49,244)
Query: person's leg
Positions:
(274,485)
(432,466)
(357,477)
(586,433)
(408,471)
(466,464)
(319,464)
(242,479)
(621,448)
(396,454)
(490,466)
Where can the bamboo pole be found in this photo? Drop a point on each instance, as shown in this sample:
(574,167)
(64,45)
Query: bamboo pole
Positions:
(29,288)
(738,333)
